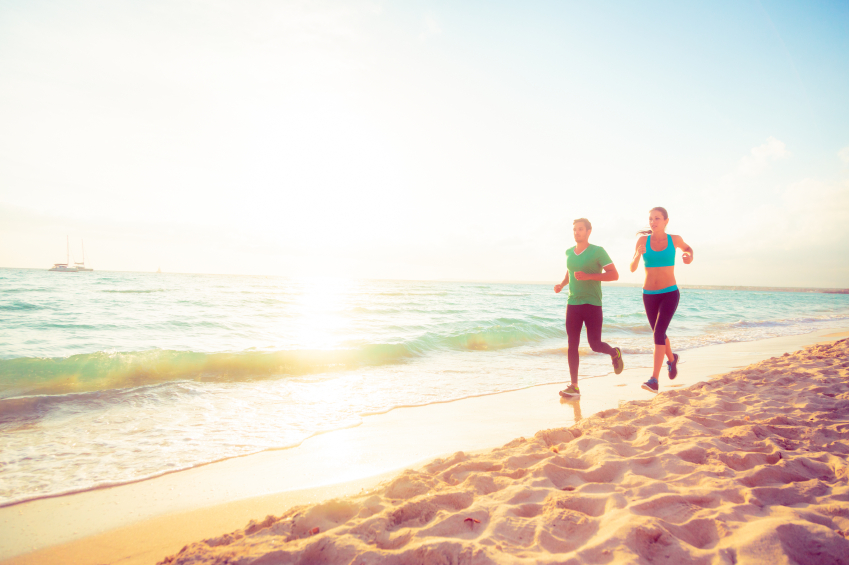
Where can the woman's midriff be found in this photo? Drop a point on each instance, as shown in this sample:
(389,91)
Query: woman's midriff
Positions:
(659,277)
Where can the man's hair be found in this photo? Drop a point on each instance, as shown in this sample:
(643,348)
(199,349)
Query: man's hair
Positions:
(586,222)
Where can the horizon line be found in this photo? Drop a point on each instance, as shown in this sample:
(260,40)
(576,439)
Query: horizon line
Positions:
(835,290)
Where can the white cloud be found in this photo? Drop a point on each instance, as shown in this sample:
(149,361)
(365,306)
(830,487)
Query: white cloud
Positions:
(818,206)
(785,234)
(760,156)
(811,215)
(844,154)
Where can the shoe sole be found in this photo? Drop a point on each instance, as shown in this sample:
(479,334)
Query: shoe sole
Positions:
(671,378)
(648,388)
(569,394)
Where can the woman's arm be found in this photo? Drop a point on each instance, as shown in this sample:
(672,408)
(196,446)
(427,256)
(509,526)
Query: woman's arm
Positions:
(638,252)
(559,287)
(678,242)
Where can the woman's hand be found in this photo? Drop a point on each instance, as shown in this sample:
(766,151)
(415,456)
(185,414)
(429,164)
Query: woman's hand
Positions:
(641,249)
(679,242)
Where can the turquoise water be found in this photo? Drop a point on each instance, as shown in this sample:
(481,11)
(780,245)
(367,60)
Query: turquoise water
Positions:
(112,377)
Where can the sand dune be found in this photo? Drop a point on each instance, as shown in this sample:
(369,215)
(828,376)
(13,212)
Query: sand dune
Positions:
(750,467)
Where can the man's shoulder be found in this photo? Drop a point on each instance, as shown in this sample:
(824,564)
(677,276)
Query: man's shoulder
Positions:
(600,255)
(571,250)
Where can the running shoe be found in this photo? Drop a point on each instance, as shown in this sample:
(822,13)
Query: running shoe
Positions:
(618,363)
(570,392)
(650,384)
(672,367)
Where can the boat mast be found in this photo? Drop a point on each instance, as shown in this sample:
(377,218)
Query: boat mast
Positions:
(67,250)
(81,263)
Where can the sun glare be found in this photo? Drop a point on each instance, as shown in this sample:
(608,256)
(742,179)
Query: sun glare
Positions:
(319,312)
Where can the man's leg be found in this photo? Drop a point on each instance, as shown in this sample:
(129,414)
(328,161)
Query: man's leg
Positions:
(574,323)
(594,318)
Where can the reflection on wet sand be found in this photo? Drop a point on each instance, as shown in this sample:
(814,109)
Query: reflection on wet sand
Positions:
(575,402)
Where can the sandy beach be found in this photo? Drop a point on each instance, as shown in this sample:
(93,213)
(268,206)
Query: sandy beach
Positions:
(685,469)
(749,467)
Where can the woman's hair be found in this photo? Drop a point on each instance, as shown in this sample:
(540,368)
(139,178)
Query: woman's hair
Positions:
(665,217)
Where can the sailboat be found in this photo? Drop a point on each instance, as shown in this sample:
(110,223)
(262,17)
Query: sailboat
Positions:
(65,267)
(81,265)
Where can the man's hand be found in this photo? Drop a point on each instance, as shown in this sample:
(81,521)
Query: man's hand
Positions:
(582,276)
(558,288)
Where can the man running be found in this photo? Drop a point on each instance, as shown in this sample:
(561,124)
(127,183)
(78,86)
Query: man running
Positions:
(586,262)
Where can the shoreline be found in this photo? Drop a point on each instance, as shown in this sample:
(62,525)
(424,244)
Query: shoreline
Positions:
(557,383)
(218,496)
(751,466)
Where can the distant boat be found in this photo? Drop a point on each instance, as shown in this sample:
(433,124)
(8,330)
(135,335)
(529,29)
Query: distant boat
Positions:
(81,265)
(159,270)
(65,267)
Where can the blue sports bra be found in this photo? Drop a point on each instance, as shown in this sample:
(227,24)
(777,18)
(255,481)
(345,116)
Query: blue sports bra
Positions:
(665,258)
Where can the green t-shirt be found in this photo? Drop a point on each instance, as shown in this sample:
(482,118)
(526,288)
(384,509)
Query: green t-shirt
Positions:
(590,261)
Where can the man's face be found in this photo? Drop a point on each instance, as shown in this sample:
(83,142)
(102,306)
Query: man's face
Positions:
(580,232)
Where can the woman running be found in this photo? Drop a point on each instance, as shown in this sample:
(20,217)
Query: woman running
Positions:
(660,293)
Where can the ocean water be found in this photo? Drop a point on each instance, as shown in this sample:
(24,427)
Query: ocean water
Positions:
(107,377)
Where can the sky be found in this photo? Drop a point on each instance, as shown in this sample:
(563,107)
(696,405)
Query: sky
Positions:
(425,139)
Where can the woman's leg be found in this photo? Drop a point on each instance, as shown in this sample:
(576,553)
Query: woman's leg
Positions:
(652,305)
(667,305)
(659,354)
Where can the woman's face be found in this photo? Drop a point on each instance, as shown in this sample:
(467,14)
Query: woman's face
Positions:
(657,223)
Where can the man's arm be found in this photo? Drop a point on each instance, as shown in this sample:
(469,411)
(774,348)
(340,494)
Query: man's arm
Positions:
(638,252)
(559,287)
(610,274)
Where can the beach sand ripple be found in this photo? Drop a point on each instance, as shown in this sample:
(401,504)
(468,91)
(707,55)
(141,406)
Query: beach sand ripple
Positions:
(749,467)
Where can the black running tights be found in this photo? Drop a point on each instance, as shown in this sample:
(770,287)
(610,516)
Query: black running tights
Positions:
(576,316)
(660,308)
